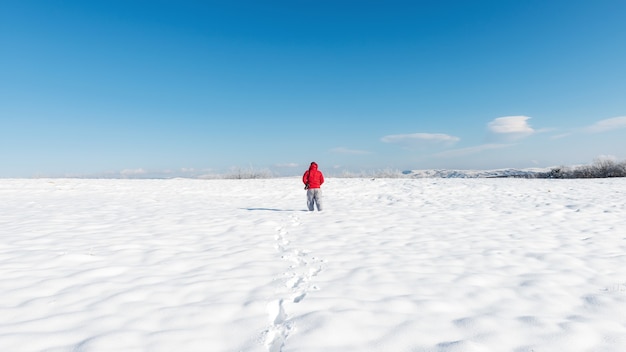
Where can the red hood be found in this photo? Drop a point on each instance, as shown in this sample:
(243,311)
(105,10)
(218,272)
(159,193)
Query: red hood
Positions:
(313,177)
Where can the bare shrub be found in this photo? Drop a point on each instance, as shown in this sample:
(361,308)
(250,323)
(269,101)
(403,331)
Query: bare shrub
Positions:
(609,168)
(250,173)
(601,168)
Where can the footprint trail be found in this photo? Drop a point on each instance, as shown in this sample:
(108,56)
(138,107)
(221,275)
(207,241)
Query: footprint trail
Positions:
(295,285)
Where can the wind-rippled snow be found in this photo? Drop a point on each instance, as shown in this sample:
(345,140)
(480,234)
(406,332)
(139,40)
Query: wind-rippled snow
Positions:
(239,265)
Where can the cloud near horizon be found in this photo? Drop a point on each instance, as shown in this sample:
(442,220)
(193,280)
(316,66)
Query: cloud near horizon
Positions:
(133,172)
(513,127)
(288,165)
(608,124)
(420,139)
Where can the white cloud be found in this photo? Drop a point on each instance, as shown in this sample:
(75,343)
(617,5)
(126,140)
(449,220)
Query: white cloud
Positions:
(133,172)
(608,124)
(470,150)
(511,125)
(288,165)
(419,139)
(342,150)
(606,157)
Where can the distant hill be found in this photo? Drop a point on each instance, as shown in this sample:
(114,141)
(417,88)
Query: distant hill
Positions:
(498,173)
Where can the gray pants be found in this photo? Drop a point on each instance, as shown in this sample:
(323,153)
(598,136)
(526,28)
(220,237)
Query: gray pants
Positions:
(314,197)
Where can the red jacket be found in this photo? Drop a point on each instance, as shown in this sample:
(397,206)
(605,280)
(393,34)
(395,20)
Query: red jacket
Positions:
(313,177)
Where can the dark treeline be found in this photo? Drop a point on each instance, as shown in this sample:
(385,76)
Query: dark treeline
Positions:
(601,168)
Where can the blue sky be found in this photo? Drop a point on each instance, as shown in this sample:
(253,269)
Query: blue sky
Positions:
(92,88)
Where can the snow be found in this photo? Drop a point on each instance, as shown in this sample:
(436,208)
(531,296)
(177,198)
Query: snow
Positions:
(484,264)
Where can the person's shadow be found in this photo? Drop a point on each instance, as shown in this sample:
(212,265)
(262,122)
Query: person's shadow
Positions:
(271,209)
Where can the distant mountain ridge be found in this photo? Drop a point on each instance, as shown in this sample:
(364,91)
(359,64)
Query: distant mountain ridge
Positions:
(600,168)
(496,173)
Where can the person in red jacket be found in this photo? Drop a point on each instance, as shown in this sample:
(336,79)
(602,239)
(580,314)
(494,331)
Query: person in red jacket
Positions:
(313,180)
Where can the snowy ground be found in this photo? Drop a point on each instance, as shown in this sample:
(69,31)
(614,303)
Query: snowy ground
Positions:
(238,265)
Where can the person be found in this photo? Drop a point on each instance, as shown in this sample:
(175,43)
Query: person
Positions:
(313,180)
